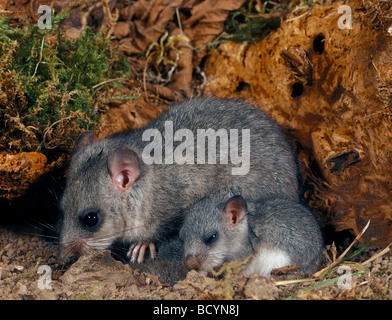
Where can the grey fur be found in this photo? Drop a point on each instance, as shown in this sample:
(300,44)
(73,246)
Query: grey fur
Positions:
(276,224)
(154,203)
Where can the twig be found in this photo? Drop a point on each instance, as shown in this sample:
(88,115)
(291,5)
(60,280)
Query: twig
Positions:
(377,255)
(378,72)
(144,77)
(299,17)
(179,20)
(286,282)
(326,269)
(322,284)
(267,15)
(40,56)
(108,81)
(320,274)
(355,240)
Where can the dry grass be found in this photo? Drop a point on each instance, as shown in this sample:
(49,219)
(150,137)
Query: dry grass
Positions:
(343,278)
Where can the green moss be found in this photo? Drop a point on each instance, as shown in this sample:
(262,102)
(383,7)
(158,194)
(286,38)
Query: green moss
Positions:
(248,24)
(47,84)
(381,271)
(87,295)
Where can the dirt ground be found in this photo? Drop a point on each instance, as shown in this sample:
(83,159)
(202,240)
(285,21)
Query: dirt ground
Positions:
(30,270)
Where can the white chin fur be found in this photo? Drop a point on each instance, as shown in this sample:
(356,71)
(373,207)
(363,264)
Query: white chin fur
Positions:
(267,259)
(203,273)
(213,262)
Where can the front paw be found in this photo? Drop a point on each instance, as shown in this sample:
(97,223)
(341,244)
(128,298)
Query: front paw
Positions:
(137,251)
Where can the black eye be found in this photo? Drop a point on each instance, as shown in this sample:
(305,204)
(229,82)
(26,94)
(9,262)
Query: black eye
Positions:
(211,238)
(90,220)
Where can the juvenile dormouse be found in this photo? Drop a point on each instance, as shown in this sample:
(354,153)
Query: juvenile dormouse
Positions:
(277,232)
(114,194)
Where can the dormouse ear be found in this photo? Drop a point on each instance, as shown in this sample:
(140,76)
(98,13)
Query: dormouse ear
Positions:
(84,139)
(235,210)
(123,167)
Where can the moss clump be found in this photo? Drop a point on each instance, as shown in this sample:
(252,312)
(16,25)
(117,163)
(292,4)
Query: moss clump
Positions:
(47,93)
(87,295)
(250,23)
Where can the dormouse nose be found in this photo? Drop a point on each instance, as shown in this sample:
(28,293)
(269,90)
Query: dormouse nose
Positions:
(191,262)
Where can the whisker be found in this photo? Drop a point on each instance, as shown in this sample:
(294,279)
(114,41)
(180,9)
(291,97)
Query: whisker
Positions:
(118,246)
(41,235)
(45,224)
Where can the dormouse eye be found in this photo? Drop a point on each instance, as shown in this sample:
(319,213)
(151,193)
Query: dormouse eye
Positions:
(90,220)
(209,240)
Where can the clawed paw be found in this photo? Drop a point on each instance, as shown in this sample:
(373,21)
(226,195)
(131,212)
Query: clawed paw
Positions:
(137,251)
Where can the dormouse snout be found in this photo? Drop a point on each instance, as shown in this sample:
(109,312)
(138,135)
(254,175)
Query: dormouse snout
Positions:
(73,250)
(192,262)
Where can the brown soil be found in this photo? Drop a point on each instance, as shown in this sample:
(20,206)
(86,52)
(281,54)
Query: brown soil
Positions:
(30,270)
